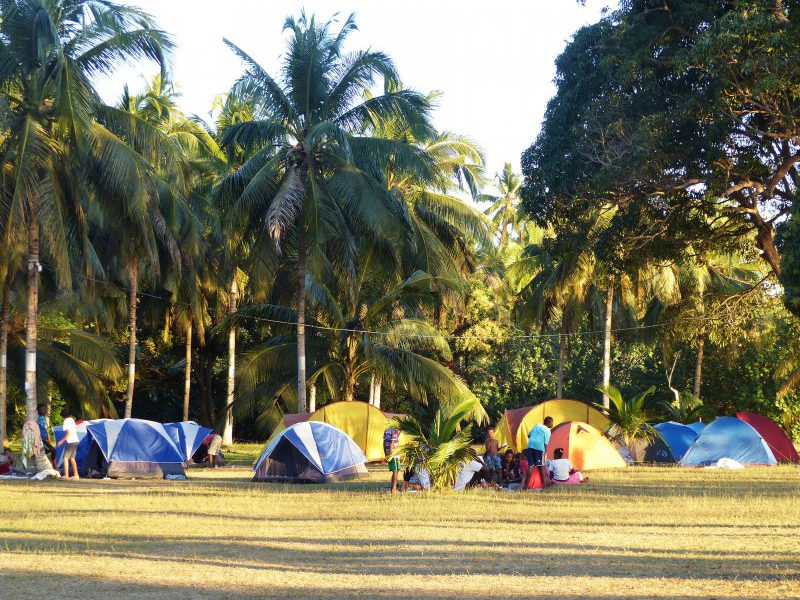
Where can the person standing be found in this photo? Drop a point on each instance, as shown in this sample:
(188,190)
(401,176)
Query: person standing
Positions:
(492,458)
(41,421)
(71,440)
(538,438)
(214,443)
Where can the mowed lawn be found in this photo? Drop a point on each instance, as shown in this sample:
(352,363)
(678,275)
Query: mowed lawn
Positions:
(634,533)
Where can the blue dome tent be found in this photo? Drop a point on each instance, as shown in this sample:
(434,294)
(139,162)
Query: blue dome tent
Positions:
(728,437)
(697,426)
(187,436)
(677,437)
(136,448)
(310,452)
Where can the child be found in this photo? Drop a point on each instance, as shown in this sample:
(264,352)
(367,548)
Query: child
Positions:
(391,443)
(492,458)
(510,468)
(561,470)
(522,461)
(71,440)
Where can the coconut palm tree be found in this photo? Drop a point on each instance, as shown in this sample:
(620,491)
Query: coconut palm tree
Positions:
(630,418)
(443,447)
(503,210)
(50,51)
(303,181)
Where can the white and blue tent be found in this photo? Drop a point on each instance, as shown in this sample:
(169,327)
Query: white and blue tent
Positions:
(728,437)
(136,448)
(187,436)
(310,452)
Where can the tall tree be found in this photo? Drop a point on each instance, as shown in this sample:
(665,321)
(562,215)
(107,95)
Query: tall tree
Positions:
(682,114)
(503,210)
(50,51)
(309,131)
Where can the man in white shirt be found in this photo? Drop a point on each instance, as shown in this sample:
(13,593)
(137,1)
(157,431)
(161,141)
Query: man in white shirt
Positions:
(71,440)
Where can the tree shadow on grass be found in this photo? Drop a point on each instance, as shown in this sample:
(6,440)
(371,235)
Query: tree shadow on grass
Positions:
(20,584)
(349,556)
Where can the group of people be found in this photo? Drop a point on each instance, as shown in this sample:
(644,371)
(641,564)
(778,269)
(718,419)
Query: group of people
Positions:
(518,468)
(501,469)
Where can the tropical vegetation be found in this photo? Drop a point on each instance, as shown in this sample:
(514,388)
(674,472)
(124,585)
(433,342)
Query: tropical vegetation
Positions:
(319,239)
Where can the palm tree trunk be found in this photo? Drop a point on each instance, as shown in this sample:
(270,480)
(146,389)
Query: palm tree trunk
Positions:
(6,314)
(698,369)
(607,345)
(187,378)
(133,273)
(227,432)
(312,398)
(301,322)
(376,398)
(561,353)
(371,388)
(32,316)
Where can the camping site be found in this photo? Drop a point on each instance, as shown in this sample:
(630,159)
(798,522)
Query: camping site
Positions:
(354,299)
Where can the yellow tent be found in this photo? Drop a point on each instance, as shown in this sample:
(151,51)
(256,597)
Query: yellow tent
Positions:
(514,425)
(361,421)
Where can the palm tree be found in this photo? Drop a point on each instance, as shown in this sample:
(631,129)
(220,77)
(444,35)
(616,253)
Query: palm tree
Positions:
(442,448)
(503,210)
(303,180)
(50,51)
(630,419)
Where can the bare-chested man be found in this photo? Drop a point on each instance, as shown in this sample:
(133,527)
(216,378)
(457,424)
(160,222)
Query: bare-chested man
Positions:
(492,458)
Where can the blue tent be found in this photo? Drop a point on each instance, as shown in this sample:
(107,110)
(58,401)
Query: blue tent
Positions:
(136,448)
(187,436)
(310,452)
(728,437)
(677,437)
(697,427)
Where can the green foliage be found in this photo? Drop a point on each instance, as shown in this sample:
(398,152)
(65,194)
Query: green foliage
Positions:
(630,418)
(443,447)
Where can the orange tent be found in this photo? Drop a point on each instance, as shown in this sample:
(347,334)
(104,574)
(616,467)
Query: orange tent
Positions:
(513,428)
(584,446)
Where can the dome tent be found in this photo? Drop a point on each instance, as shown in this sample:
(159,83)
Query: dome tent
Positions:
(361,421)
(671,444)
(187,436)
(697,426)
(136,448)
(514,425)
(782,448)
(584,446)
(728,437)
(310,452)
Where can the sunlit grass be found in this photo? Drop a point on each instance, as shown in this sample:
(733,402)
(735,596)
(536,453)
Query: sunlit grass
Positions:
(634,533)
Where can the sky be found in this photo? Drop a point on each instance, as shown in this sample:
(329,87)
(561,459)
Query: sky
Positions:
(492,60)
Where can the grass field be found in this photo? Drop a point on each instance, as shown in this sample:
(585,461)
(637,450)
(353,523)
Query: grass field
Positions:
(634,533)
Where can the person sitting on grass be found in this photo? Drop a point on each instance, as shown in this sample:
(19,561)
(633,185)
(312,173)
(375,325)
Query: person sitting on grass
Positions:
(419,480)
(561,470)
(510,468)
(492,458)
(70,440)
(538,438)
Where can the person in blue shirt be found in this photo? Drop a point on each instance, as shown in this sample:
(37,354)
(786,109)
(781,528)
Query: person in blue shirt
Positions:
(538,438)
(41,421)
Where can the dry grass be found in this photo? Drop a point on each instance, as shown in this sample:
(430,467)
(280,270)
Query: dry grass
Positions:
(636,533)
